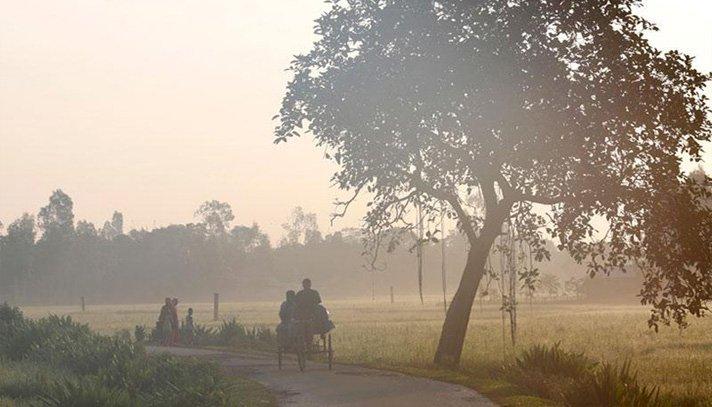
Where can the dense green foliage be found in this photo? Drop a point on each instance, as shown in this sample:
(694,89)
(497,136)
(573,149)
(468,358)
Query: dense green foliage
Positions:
(576,380)
(57,362)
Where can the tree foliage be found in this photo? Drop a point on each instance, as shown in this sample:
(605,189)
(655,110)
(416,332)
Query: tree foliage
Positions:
(57,218)
(186,261)
(301,228)
(216,216)
(16,251)
(114,227)
(529,102)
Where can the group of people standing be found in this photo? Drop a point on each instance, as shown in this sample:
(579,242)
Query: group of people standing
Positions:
(168,325)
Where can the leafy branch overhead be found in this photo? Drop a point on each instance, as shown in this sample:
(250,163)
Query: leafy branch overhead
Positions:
(538,106)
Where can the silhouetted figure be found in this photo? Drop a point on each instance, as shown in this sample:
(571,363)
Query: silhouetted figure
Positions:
(164,326)
(286,314)
(175,325)
(286,310)
(189,328)
(306,301)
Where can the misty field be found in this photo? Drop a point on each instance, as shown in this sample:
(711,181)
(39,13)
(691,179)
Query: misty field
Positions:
(404,335)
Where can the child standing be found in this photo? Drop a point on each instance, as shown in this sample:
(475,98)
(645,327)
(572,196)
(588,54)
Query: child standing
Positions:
(189,328)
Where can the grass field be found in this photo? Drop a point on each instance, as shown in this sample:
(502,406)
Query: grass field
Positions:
(404,335)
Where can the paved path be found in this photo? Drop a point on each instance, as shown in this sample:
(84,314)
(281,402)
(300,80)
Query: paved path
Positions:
(344,386)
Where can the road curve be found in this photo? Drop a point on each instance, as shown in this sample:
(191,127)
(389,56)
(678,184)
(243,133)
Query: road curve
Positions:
(343,386)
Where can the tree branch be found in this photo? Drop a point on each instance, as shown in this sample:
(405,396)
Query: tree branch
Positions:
(345,205)
(544,200)
(454,202)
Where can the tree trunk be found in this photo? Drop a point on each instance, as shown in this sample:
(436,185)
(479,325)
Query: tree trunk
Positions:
(457,317)
(419,253)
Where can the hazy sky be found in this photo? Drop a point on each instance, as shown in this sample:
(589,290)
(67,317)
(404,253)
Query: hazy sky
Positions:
(150,107)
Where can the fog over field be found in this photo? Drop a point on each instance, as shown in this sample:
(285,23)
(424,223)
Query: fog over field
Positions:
(361,203)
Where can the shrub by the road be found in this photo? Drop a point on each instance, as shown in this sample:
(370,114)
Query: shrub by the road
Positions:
(228,333)
(55,361)
(575,380)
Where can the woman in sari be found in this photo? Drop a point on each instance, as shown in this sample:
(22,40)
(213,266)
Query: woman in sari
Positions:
(164,323)
(175,324)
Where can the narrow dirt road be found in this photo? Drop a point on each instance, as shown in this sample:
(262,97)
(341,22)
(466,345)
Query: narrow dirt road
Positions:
(343,386)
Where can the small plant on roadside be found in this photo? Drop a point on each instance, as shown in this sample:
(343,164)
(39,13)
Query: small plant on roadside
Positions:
(86,393)
(612,386)
(230,332)
(575,380)
(140,333)
(552,360)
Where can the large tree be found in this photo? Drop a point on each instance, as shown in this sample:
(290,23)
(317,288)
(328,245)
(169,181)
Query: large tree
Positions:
(57,218)
(561,103)
(301,228)
(216,216)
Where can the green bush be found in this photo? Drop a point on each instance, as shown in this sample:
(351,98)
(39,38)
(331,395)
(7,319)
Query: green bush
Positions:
(612,386)
(575,380)
(84,393)
(552,360)
(58,362)
(140,333)
(26,380)
(203,334)
(229,333)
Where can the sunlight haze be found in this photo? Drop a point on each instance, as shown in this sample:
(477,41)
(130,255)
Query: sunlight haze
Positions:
(152,107)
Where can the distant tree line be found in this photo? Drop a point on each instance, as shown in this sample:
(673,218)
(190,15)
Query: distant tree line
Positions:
(50,258)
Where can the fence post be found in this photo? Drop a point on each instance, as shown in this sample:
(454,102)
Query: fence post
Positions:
(215,306)
(83,305)
(391,294)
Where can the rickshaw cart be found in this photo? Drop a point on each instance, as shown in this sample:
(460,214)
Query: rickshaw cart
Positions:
(304,343)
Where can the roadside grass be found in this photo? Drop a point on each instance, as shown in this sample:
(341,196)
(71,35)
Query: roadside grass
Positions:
(248,393)
(55,361)
(403,337)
